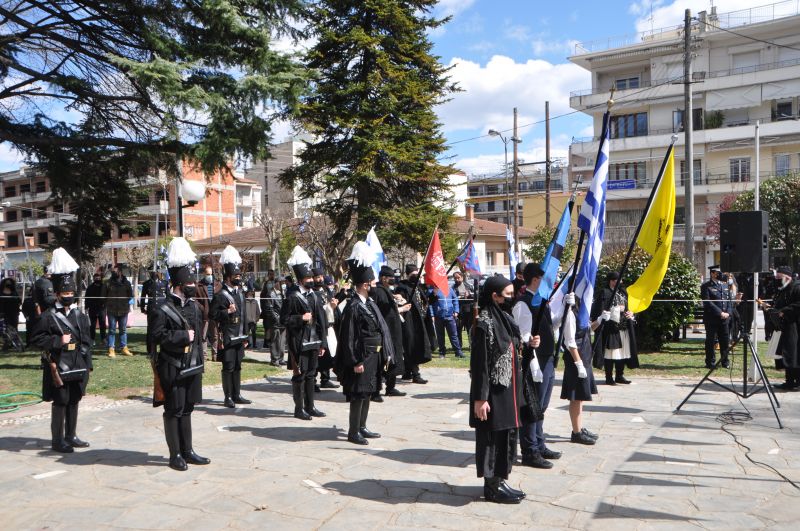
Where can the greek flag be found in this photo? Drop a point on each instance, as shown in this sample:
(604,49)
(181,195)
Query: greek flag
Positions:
(375,245)
(512,253)
(592,221)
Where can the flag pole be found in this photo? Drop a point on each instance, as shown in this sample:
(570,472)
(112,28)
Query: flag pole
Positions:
(424,259)
(463,248)
(624,268)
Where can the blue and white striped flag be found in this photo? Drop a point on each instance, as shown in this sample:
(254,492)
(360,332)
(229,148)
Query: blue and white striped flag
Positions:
(375,245)
(512,253)
(552,258)
(592,221)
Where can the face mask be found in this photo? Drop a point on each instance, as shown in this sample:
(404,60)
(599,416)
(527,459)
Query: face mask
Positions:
(208,279)
(236,281)
(67,301)
(785,281)
(730,282)
(309,284)
(508,304)
(115,275)
(189,291)
(457,283)
(97,281)
(319,284)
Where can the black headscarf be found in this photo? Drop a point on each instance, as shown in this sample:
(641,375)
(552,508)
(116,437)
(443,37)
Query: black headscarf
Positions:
(505,329)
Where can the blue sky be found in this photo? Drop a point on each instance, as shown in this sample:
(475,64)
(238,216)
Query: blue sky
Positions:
(513,53)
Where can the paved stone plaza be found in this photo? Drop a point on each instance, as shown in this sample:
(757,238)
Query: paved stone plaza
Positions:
(651,469)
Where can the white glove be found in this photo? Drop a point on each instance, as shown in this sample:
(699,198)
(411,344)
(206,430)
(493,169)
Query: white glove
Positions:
(615,315)
(569,299)
(605,316)
(581,370)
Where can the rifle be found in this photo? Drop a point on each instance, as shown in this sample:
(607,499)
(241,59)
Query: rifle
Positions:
(159,398)
(48,359)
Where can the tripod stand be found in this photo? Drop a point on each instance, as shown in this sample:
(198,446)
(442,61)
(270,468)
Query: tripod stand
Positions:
(747,350)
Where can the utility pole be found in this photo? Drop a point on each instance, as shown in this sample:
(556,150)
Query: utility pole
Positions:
(547,163)
(516,182)
(688,136)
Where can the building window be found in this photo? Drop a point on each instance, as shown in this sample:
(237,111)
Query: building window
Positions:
(783,110)
(492,189)
(12,240)
(740,170)
(10,191)
(40,187)
(627,83)
(680,215)
(240,219)
(782,164)
(697,171)
(26,213)
(489,258)
(11,216)
(628,170)
(474,191)
(24,188)
(628,125)
(41,213)
(42,238)
(677,120)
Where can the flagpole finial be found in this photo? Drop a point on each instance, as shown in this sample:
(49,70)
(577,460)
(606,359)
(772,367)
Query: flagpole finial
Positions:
(610,102)
(674,138)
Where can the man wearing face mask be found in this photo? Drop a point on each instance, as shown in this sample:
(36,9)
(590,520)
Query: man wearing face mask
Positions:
(716,312)
(394,308)
(271,302)
(62,332)
(306,325)
(203,298)
(153,291)
(176,323)
(416,343)
(117,293)
(784,314)
(326,361)
(227,309)
(96,307)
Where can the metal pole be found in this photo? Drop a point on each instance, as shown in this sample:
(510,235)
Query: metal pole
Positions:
(155,237)
(688,126)
(546,163)
(751,369)
(508,197)
(516,187)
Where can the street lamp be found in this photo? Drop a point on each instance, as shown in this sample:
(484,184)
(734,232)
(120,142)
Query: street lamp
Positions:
(505,140)
(193,192)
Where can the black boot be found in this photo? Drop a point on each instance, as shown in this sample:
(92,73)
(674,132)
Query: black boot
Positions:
(237,389)
(608,365)
(227,385)
(71,425)
(511,490)
(310,409)
(173,437)
(620,368)
(494,491)
(297,394)
(354,432)
(362,426)
(187,451)
(57,416)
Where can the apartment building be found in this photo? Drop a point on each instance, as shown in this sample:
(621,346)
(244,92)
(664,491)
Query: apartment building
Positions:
(492,197)
(28,213)
(739,78)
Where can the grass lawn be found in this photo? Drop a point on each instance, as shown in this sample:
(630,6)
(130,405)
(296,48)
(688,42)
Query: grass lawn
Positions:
(124,377)
(120,377)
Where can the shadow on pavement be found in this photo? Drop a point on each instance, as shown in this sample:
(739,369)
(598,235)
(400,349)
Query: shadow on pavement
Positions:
(629,479)
(110,457)
(16,444)
(293,433)
(407,492)
(607,510)
(589,408)
(461,435)
(245,411)
(427,456)
(463,397)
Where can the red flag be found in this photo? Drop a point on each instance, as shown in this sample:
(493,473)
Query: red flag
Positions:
(435,268)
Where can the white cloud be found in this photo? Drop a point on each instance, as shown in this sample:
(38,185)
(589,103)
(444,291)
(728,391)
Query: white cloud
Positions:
(491,91)
(10,158)
(666,14)
(450,8)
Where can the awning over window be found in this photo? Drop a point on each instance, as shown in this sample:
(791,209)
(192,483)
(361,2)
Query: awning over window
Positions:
(733,98)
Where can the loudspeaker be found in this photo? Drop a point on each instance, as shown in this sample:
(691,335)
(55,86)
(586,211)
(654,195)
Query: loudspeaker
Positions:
(744,241)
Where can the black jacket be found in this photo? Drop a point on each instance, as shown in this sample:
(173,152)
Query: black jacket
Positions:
(417,327)
(787,302)
(46,335)
(294,306)
(153,291)
(118,294)
(93,298)
(231,325)
(388,307)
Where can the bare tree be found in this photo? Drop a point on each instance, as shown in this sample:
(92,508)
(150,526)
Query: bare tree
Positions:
(273,231)
(320,234)
(137,257)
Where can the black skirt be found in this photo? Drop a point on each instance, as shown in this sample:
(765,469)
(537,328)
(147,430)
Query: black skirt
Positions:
(572,387)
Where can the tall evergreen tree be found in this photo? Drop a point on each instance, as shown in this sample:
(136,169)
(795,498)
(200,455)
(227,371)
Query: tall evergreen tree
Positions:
(376,137)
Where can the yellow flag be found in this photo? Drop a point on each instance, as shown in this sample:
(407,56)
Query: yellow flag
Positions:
(656,239)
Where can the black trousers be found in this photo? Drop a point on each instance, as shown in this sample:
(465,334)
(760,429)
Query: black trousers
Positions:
(95,317)
(717,330)
(232,358)
(495,452)
(307,363)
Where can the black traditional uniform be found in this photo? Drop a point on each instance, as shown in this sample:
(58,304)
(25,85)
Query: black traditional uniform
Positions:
(305,339)
(66,366)
(153,292)
(784,315)
(364,341)
(234,337)
(417,327)
(384,299)
(715,303)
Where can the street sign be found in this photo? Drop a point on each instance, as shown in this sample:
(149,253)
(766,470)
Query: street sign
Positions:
(624,184)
